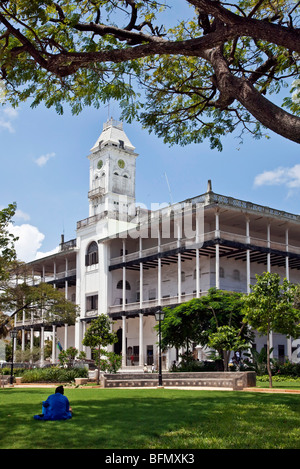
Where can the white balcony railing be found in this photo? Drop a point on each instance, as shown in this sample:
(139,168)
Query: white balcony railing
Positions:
(164,302)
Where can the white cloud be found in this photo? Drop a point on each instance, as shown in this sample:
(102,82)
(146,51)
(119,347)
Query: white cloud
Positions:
(289,177)
(7,114)
(29,242)
(20,215)
(42,160)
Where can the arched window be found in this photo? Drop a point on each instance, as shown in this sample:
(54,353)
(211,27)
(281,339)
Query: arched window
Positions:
(221,272)
(120,285)
(91,257)
(236,274)
(183,276)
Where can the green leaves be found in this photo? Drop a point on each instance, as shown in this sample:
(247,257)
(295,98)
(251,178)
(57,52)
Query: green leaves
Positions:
(7,240)
(270,306)
(84,53)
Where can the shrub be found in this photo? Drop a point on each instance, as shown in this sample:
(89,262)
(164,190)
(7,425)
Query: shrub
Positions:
(54,375)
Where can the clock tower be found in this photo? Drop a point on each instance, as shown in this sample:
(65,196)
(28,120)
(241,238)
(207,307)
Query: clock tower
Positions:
(112,172)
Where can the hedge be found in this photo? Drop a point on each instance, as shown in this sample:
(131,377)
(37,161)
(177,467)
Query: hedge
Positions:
(53,375)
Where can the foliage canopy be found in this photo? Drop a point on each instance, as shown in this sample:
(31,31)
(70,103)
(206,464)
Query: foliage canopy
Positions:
(212,70)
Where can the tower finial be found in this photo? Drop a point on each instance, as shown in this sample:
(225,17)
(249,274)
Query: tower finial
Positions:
(209,186)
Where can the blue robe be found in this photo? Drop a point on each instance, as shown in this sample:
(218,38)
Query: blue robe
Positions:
(56,407)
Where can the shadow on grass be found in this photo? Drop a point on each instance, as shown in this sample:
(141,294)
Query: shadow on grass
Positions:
(153,419)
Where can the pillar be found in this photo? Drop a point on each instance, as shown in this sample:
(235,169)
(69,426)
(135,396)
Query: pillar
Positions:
(42,338)
(248,268)
(217,250)
(159,282)
(66,281)
(269,246)
(124,358)
(141,284)
(141,340)
(66,337)
(179,277)
(124,289)
(179,261)
(53,344)
(31,338)
(141,272)
(197,259)
(287,270)
(197,273)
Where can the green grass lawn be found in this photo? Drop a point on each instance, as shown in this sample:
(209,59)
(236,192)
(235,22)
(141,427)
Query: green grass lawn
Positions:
(152,419)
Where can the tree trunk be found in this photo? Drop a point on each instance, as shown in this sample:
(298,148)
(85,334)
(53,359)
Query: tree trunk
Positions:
(99,357)
(226,354)
(268,359)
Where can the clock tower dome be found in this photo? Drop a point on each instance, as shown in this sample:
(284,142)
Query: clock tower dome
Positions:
(112,172)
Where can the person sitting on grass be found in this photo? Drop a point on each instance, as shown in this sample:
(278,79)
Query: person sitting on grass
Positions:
(56,407)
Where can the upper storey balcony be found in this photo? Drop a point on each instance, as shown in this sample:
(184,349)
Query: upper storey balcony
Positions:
(95,193)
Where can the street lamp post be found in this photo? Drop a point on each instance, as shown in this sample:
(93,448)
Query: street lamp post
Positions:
(159,316)
(13,335)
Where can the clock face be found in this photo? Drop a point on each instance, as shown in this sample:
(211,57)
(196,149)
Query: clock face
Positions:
(99,164)
(121,164)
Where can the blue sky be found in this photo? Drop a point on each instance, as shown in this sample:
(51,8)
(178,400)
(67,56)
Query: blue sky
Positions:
(44,168)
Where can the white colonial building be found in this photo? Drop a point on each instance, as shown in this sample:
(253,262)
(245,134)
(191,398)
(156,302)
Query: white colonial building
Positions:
(128,261)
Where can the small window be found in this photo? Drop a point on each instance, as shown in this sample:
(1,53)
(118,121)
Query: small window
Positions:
(152,294)
(236,274)
(92,302)
(91,257)
(222,273)
(182,276)
(121,143)
(120,285)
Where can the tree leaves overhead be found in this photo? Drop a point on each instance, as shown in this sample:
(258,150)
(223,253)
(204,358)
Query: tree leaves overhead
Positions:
(211,71)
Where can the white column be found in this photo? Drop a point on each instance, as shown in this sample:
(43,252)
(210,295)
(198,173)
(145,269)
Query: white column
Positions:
(141,272)
(124,277)
(159,282)
(179,261)
(42,339)
(197,259)
(33,281)
(289,348)
(124,359)
(23,330)
(124,289)
(141,340)
(287,270)
(248,274)
(217,250)
(53,344)
(66,337)
(66,281)
(269,245)
(197,273)
(31,338)
(54,274)
(141,284)
(179,277)
(83,326)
